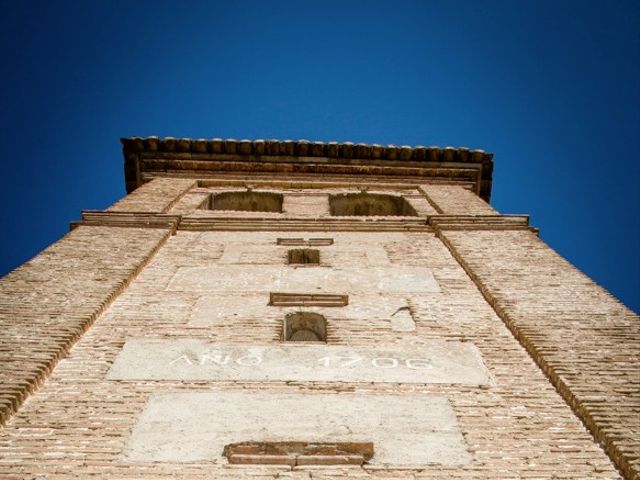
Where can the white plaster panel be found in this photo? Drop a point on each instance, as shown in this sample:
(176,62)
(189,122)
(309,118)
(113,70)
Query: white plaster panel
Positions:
(267,278)
(306,205)
(433,361)
(402,321)
(217,309)
(414,429)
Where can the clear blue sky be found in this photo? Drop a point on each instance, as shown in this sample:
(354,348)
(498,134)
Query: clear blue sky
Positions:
(551,87)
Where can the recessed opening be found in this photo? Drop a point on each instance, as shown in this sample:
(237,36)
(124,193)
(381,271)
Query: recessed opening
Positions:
(304,327)
(248,201)
(299,453)
(369,204)
(304,256)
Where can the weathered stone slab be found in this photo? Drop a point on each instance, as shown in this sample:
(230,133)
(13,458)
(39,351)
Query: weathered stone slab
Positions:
(405,429)
(266,278)
(214,309)
(435,361)
(402,321)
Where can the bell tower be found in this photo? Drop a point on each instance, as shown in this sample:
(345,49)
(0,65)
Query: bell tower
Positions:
(269,309)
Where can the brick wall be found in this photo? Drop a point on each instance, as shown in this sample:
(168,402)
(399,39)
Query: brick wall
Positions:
(47,303)
(157,196)
(583,338)
(453,199)
(78,424)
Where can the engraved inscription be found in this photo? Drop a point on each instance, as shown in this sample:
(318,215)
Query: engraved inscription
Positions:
(433,362)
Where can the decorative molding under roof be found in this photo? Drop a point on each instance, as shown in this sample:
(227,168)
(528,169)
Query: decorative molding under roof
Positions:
(168,149)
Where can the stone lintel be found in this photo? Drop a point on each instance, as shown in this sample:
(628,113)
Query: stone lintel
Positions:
(178,222)
(128,219)
(480,222)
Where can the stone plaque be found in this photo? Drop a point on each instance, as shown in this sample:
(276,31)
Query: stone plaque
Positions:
(434,361)
(408,429)
(267,278)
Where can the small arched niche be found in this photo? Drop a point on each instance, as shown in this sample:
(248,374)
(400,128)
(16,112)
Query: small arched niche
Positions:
(369,204)
(248,201)
(304,327)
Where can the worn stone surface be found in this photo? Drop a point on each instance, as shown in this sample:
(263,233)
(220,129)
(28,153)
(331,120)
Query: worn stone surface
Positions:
(266,278)
(216,309)
(404,429)
(432,361)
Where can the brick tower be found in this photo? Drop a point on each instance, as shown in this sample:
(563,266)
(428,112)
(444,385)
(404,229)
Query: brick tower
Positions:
(277,309)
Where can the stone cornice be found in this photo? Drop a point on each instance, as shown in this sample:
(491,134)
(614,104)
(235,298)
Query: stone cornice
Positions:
(127,219)
(146,156)
(430,223)
(480,222)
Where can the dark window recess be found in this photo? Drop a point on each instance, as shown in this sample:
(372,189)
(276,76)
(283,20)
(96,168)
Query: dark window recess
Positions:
(248,201)
(307,300)
(304,327)
(369,204)
(304,255)
(299,453)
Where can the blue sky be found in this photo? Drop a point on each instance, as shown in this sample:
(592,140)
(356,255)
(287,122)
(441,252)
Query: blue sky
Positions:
(551,87)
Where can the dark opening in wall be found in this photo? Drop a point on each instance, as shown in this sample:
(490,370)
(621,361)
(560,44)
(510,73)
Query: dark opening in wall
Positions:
(369,204)
(248,201)
(304,256)
(304,327)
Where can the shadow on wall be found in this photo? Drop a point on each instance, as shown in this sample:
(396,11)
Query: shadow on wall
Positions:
(248,201)
(369,204)
(305,327)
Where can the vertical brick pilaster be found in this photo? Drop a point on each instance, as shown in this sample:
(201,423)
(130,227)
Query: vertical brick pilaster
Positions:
(586,341)
(156,196)
(48,302)
(456,200)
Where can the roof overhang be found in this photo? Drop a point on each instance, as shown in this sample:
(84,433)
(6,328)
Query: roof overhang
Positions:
(147,158)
